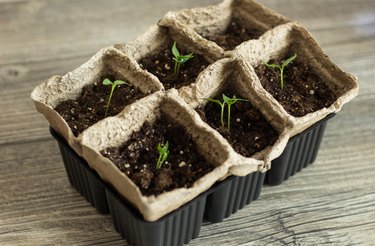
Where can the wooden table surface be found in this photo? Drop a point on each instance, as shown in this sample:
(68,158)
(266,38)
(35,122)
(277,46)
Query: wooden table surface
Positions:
(331,202)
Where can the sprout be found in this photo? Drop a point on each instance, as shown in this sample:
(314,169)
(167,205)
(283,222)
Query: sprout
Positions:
(113,84)
(179,59)
(230,102)
(163,154)
(222,105)
(281,68)
(226,101)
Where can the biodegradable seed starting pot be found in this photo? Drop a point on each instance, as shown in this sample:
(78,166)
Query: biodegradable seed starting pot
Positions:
(322,88)
(256,131)
(217,30)
(151,57)
(214,150)
(175,228)
(186,122)
(313,88)
(108,62)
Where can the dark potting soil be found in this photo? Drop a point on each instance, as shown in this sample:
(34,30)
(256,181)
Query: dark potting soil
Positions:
(234,35)
(162,66)
(89,107)
(138,156)
(304,91)
(249,131)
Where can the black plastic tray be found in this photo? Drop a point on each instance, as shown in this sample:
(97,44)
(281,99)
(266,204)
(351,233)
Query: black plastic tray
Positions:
(237,193)
(177,227)
(217,203)
(300,152)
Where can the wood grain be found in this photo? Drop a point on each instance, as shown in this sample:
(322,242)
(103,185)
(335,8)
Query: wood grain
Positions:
(331,202)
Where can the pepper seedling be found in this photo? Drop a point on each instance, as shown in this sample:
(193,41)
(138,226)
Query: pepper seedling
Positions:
(230,101)
(226,101)
(179,59)
(222,106)
(281,68)
(114,85)
(163,154)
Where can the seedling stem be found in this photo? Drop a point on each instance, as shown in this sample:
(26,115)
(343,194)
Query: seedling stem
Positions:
(113,87)
(179,59)
(163,154)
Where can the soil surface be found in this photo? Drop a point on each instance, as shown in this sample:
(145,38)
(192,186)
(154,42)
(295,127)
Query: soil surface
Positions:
(162,66)
(249,131)
(304,91)
(138,156)
(234,35)
(90,106)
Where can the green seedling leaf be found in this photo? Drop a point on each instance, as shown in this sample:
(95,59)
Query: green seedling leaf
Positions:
(230,101)
(281,68)
(107,82)
(175,51)
(120,82)
(213,100)
(289,60)
(113,87)
(179,59)
(163,154)
(272,65)
(225,98)
(183,59)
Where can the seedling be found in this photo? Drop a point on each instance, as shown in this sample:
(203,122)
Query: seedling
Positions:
(114,85)
(179,59)
(226,101)
(281,68)
(230,101)
(163,154)
(222,106)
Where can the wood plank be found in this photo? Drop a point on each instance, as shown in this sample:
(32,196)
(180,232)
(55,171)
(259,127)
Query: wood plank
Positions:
(39,205)
(20,122)
(283,214)
(21,78)
(331,202)
(62,29)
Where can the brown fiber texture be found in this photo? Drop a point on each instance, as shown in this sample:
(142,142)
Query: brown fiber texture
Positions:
(293,38)
(153,41)
(279,37)
(50,93)
(217,77)
(114,131)
(191,24)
